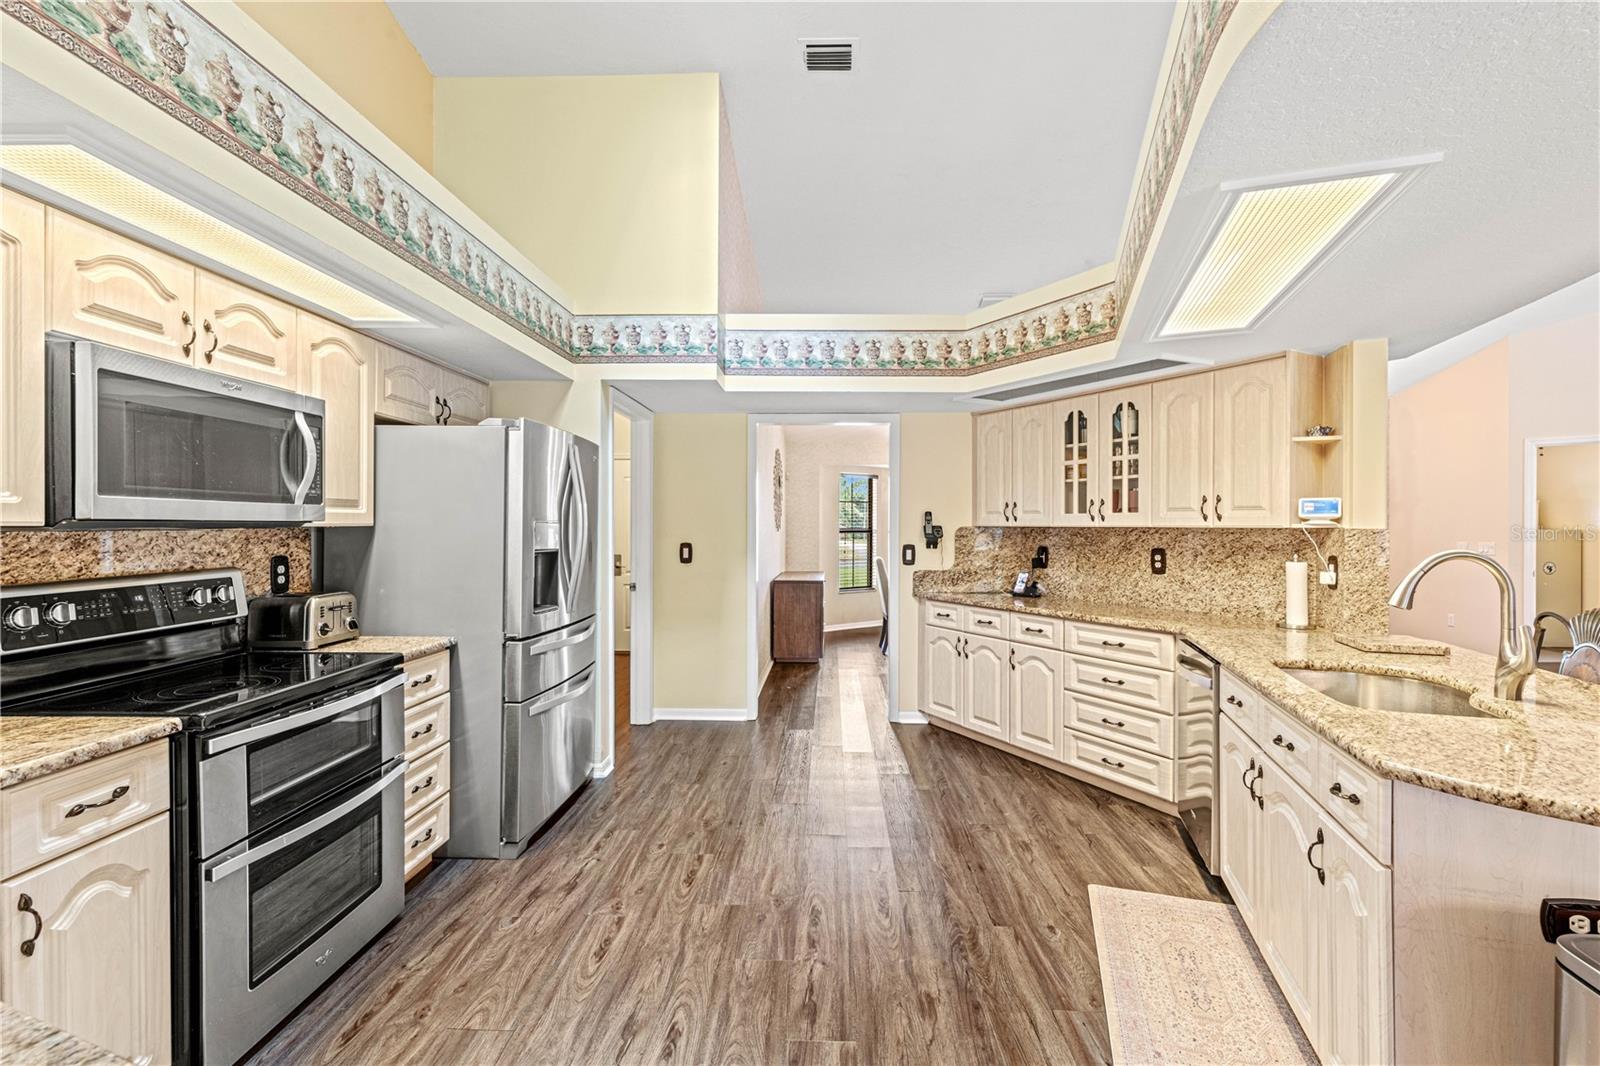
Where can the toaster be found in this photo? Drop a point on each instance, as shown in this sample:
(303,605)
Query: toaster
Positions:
(305,622)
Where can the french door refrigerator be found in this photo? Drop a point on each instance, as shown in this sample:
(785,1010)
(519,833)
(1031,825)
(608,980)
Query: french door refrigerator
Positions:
(487,533)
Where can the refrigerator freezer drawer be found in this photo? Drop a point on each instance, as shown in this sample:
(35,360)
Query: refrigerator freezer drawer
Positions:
(540,663)
(549,741)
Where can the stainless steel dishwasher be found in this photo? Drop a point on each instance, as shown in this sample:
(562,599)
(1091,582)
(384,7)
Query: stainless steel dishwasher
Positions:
(1578,999)
(1197,693)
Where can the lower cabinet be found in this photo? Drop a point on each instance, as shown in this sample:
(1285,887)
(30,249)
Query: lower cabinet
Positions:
(987,685)
(942,680)
(1239,766)
(1291,901)
(1036,698)
(1357,1022)
(92,945)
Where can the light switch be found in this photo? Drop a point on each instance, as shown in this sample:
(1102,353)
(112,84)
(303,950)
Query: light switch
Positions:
(686,552)
(908,555)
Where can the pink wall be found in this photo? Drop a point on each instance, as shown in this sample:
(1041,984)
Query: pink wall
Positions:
(1457,442)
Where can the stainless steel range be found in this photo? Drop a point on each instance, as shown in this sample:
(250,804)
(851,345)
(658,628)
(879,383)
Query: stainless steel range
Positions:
(288,783)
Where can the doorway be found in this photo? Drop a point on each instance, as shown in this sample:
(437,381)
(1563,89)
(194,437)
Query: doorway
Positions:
(628,431)
(1562,566)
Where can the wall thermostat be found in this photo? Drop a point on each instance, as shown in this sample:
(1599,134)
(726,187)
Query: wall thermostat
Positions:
(1321,508)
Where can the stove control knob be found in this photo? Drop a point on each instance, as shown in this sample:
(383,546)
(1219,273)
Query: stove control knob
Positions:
(200,597)
(323,629)
(22,617)
(224,593)
(350,624)
(62,613)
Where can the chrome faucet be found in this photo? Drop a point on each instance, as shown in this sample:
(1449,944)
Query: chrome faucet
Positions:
(1518,654)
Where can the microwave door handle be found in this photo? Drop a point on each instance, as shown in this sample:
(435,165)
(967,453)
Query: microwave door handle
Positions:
(224,867)
(311,457)
(556,699)
(289,481)
(304,718)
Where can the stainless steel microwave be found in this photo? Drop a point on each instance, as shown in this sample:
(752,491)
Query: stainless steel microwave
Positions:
(135,440)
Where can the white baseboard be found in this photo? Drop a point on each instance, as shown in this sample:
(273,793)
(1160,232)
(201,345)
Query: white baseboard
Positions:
(701,714)
(911,716)
(603,769)
(838,627)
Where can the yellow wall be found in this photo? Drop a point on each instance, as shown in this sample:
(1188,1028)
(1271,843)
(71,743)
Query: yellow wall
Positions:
(608,183)
(935,475)
(700,487)
(358,48)
(577,406)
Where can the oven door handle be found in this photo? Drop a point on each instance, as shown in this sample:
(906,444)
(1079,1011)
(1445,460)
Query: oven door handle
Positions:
(311,457)
(304,718)
(223,867)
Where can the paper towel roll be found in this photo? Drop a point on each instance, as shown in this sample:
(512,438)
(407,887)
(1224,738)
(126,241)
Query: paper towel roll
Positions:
(1295,613)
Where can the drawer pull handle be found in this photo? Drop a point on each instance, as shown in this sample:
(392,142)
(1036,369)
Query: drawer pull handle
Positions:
(78,808)
(427,782)
(423,839)
(941,614)
(1113,721)
(1233,701)
(423,680)
(985,621)
(1118,765)
(1033,629)
(1113,681)
(1286,745)
(1322,875)
(1351,797)
(1112,644)
(25,905)
(424,731)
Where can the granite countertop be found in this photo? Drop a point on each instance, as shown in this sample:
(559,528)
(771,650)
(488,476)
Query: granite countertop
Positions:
(33,747)
(1537,755)
(26,1041)
(407,647)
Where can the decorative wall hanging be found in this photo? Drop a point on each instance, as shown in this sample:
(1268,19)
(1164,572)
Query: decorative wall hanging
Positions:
(777,490)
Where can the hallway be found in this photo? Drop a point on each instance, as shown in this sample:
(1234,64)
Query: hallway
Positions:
(814,887)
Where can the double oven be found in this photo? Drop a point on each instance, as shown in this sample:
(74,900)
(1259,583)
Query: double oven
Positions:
(296,864)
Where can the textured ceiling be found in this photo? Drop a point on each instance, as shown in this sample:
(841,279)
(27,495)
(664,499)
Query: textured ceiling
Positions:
(978,147)
(1508,92)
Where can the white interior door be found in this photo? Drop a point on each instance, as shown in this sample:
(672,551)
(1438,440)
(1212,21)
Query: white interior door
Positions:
(622,557)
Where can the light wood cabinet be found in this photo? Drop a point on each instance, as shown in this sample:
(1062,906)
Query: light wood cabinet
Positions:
(987,685)
(1238,827)
(1356,1025)
(1074,465)
(1125,457)
(1250,471)
(338,366)
(1031,498)
(1036,699)
(408,387)
(104,287)
(943,685)
(245,334)
(466,400)
(1291,900)
(1181,437)
(22,329)
(991,468)
(101,942)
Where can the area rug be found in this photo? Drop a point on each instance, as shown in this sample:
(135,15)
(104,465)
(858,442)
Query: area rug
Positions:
(1184,984)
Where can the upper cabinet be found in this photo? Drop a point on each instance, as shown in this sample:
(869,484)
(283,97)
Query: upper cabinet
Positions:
(22,326)
(104,287)
(1012,470)
(1250,472)
(466,400)
(413,390)
(1074,461)
(991,468)
(245,334)
(1181,450)
(339,366)
(1125,457)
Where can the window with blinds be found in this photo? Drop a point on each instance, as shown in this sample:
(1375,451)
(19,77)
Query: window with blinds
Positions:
(855,531)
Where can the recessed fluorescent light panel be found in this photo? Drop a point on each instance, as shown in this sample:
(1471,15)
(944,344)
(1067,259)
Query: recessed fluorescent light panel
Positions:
(1267,239)
(98,185)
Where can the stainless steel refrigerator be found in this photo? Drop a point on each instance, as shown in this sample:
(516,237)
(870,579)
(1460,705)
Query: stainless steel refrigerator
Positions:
(486,533)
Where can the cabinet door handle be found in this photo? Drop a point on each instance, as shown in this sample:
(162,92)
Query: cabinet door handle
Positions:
(1286,745)
(1216,505)
(1118,765)
(1203,516)
(1013,657)
(1113,644)
(25,905)
(1338,791)
(215,338)
(1113,721)
(424,731)
(438,410)
(449,412)
(1233,701)
(1244,778)
(1261,801)
(1102,509)
(426,782)
(188,345)
(78,808)
(1113,681)
(1322,875)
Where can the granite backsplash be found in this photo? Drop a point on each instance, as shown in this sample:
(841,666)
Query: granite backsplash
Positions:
(33,557)
(1235,575)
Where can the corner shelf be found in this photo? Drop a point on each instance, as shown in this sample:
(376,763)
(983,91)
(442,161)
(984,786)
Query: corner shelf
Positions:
(1318,440)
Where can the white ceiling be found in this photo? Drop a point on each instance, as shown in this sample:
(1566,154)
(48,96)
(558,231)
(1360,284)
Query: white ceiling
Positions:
(1508,92)
(978,147)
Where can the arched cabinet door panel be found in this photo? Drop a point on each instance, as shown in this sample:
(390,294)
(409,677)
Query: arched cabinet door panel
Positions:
(338,366)
(246,334)
(104,287)
(22,327)
(1251,462)
(1181,450)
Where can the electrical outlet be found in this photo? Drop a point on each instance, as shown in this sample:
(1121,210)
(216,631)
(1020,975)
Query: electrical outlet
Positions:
(1450,620)
(1158,561)
(1558,917)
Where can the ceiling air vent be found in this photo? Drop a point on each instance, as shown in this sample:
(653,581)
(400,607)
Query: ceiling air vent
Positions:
(836,55)
(1075,381)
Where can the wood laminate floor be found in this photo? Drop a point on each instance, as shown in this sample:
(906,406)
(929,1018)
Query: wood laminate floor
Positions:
(813,887)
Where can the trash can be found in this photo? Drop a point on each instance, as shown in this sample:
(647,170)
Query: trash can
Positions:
(1578,999)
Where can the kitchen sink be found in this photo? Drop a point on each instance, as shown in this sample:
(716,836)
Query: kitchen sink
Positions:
(1380,692)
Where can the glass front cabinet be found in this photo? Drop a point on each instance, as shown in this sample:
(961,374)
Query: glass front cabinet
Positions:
(1124,446)
(1075,466)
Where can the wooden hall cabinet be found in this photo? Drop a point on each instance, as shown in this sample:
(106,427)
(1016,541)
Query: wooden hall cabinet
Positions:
(797,616)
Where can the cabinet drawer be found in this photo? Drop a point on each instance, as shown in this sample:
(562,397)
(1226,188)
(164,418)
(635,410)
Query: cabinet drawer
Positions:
(52,815)
(1042,632)
(1239,702)
(986,621)
(1135,686)
(1289,744)
(1194,735)
(426,831)
(1121,645)
(942,615)
(1192,778)
(1136,769)
(427,726)
(427,779)
(1358,798)
(427,677)
(1144,730)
